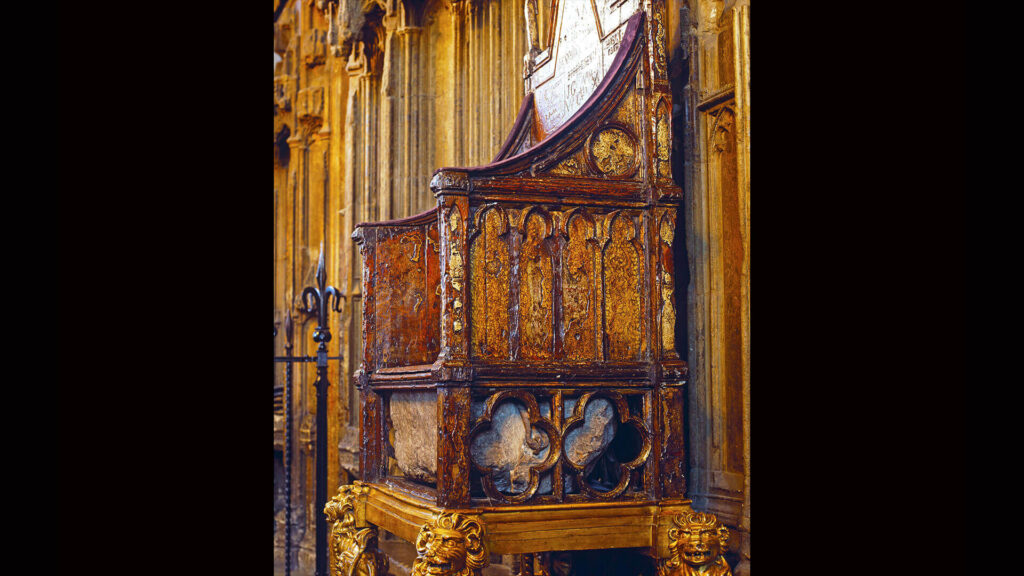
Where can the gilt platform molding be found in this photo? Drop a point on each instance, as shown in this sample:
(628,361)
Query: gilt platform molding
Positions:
(520,388)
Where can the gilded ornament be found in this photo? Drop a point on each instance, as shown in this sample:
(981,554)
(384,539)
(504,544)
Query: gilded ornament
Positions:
(696,544)
(666,231)
(579,289)
(489,305)
(659,41)
(569,166)
(622,281)
(535,302)
(613,151)
(668,310)
(663,143)
(451,544)
(455,264)
(353,552)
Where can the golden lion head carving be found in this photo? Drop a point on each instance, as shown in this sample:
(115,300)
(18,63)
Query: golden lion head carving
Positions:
(697,542)
(451,545)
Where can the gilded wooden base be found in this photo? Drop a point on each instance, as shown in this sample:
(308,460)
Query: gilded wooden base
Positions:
(353,549)
(451,542)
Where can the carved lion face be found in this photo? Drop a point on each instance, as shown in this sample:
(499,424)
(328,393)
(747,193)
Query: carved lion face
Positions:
(698,538)
(451,545)
(445,552)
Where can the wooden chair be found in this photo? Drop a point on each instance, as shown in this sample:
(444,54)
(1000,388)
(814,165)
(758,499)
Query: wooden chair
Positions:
(520,390)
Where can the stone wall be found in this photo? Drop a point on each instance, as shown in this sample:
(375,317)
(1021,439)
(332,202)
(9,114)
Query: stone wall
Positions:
(369,99)
(711,80)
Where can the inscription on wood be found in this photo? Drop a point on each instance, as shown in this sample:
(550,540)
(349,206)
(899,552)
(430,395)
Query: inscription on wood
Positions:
(587,37)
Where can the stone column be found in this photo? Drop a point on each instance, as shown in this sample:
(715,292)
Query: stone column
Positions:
(360,148)
(741,39)
(399,150)
(460,13)
(718,236)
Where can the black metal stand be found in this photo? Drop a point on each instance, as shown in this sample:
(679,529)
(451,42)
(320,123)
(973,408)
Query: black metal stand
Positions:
(314,301)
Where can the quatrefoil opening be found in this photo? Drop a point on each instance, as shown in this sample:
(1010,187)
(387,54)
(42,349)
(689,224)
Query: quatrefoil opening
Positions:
(603,419)
(512,445)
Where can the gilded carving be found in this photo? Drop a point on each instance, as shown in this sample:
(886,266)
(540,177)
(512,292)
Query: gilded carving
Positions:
(668,303)
(579,289)
(432,239)
(536,319)
(622,272)
(451,544)
(456,273)
(625,112)
(490,297)
(353,552)
(658,27)
(569,166)
(455,266)
(663,141)
(697,543)
(613,150)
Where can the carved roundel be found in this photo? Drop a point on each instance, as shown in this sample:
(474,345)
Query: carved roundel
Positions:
(613,150)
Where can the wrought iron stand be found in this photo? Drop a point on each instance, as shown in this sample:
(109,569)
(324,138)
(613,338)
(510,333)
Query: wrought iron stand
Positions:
(314,301)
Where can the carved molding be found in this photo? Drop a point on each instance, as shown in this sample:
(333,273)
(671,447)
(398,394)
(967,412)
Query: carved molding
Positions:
(447,181)
(315,45)
(722,129)
(284,92)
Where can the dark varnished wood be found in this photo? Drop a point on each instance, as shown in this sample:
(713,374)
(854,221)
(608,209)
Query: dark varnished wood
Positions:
(453,417)
(543,276)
